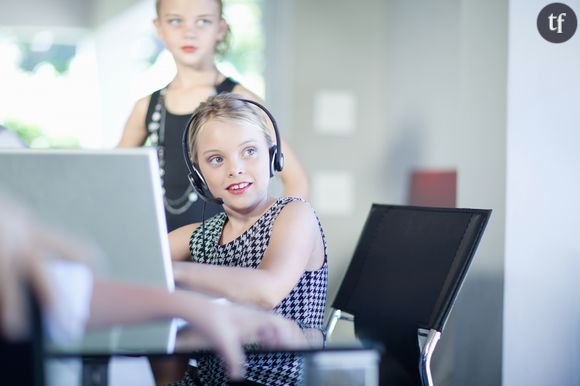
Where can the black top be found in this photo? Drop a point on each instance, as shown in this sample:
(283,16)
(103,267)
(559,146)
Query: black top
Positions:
(175,179)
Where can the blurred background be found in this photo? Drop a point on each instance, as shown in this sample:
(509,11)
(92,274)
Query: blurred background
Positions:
(371,94)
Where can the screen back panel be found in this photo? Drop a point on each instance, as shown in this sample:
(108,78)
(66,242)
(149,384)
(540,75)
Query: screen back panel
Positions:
(110,198)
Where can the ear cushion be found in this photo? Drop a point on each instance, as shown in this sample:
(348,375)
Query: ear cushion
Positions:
(276,160)
(279,161)
(199,184)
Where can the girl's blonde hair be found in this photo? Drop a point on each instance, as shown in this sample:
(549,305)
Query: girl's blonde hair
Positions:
(223,45)
(225,106)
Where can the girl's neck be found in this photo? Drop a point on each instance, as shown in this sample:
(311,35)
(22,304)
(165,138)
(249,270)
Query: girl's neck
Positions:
(188,77)
(239,221)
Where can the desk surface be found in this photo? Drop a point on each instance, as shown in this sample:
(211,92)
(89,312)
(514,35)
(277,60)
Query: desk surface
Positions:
(337,362)
(165,338)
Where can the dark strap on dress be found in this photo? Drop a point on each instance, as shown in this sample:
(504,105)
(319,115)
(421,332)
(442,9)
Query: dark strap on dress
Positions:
(227,85)
(150,109)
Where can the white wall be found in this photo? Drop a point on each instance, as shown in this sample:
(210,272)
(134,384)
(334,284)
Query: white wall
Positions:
(542,271)
(479,144)
(61,13)
(104,10)
(46,13)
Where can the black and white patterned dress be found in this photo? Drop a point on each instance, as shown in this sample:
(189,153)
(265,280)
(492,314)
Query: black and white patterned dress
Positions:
(304,304)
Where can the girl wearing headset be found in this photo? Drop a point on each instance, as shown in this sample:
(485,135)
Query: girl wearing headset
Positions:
(194,32)
(262,250)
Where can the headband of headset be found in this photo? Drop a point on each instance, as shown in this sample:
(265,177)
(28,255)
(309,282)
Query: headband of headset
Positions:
(194,174)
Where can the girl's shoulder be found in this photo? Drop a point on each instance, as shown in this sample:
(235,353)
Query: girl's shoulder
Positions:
(184,231)
(243,91)
(298,226)
(142,104)
(283,210)
(142,108)
(291,200)
(295,209)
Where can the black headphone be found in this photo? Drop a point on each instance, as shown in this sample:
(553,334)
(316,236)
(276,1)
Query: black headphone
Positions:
(196,178)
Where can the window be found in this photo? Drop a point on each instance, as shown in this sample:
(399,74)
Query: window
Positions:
(48,83)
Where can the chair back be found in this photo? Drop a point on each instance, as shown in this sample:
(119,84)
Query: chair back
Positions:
(404,277)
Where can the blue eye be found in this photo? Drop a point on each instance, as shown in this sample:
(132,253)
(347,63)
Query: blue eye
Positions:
(202,22)
(215,160)
(250,151)
(174,21)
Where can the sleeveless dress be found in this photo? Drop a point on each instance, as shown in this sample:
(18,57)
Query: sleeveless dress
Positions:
(175,179)
(305,304)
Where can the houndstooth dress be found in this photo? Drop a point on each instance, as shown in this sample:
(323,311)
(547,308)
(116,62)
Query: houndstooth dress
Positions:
(305,304)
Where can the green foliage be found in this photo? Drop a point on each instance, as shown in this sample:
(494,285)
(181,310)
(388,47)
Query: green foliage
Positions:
(33,136)
(27,132)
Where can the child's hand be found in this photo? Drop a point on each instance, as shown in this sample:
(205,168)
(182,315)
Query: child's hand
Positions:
(228,326)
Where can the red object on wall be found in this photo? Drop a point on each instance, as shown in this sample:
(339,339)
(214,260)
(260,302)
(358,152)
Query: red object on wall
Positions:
(433,188)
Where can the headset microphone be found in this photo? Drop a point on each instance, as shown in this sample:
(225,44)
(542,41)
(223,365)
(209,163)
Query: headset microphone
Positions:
(218,201)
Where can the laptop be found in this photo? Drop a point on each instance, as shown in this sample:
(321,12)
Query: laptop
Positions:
(112,198)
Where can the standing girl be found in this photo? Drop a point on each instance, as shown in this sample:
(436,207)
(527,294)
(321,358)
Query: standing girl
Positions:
(193,31)
(262,250)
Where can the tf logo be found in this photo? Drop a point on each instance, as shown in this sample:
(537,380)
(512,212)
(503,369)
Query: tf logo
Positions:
(557,22)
